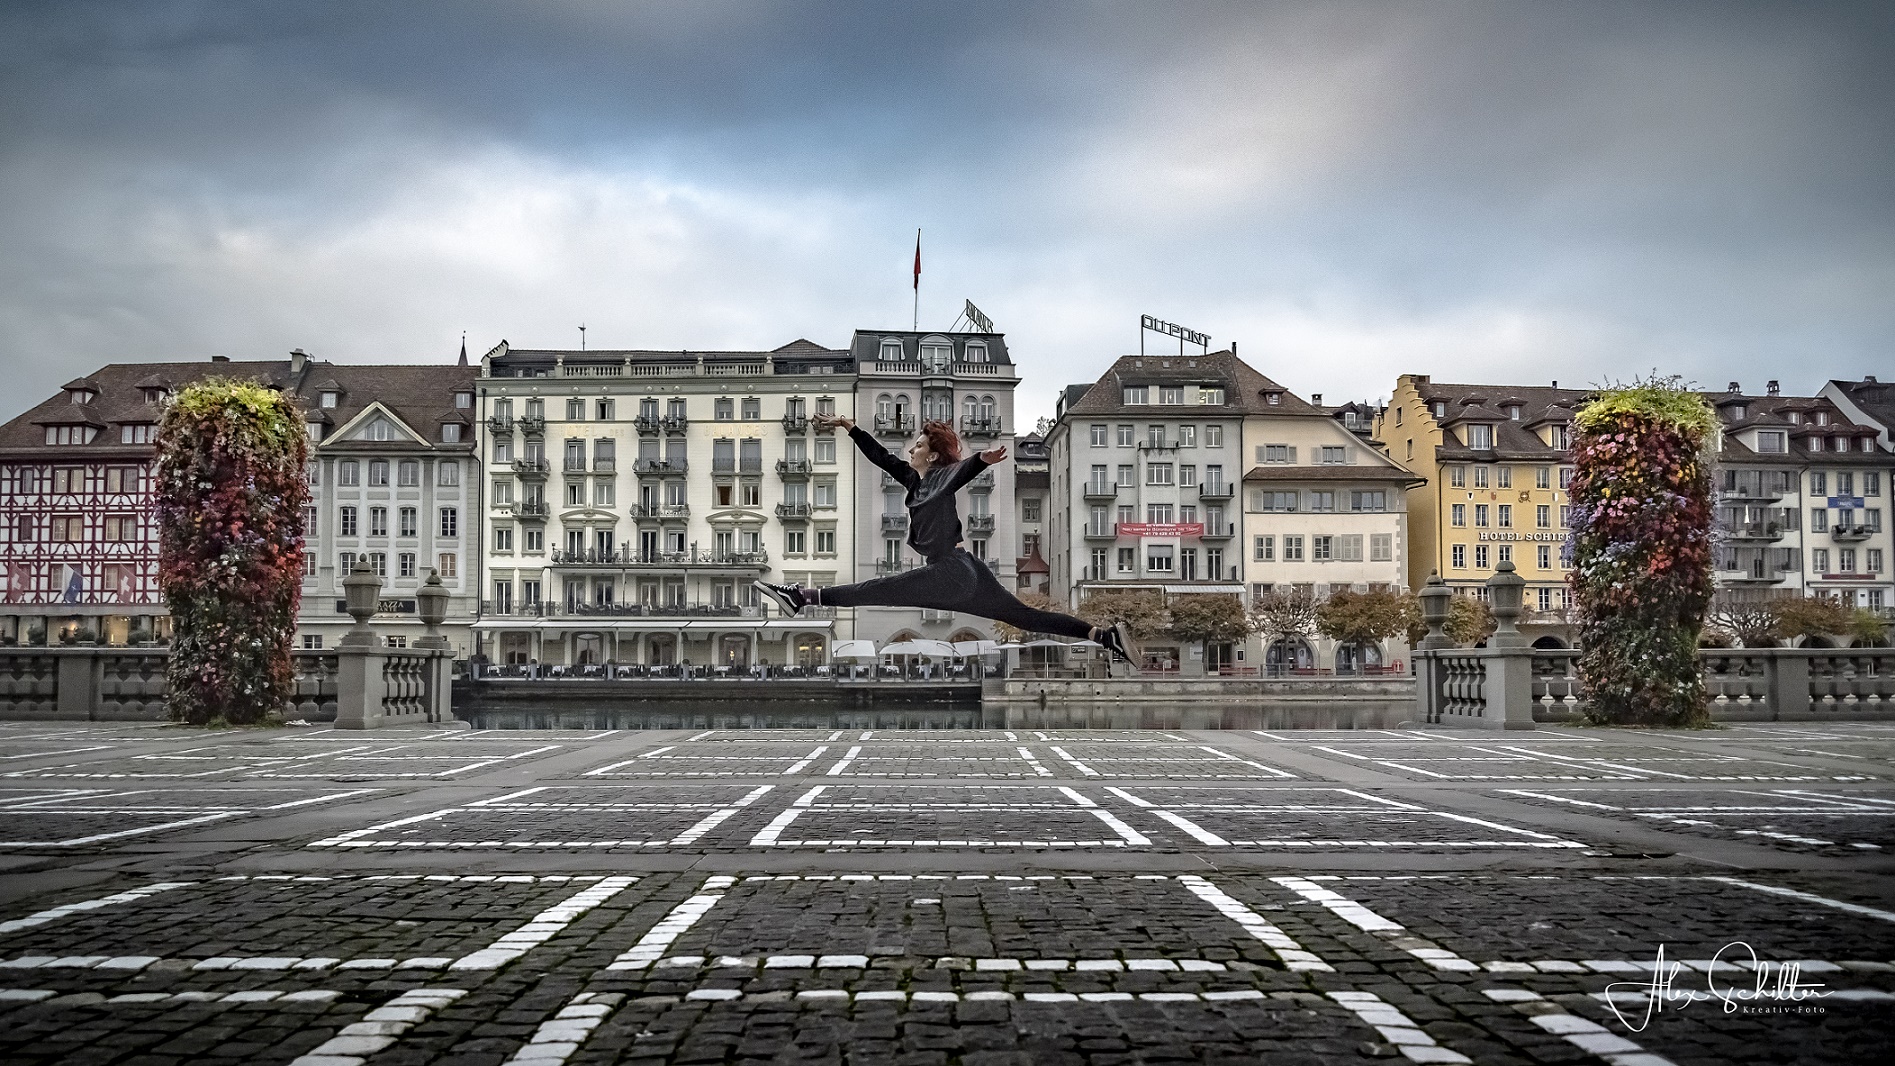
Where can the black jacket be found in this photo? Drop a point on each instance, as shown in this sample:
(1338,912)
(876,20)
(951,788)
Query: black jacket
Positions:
(934,522)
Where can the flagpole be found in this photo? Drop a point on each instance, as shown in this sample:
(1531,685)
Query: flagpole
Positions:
(917,320)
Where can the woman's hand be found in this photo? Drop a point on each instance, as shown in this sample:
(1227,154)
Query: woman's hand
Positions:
(833,422)
(994,455)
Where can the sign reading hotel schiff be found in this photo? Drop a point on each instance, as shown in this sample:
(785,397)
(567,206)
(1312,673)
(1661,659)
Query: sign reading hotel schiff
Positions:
(1161,529)
(1491,535)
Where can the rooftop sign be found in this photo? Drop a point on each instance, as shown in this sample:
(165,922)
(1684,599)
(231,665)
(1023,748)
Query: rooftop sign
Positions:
(1171,329)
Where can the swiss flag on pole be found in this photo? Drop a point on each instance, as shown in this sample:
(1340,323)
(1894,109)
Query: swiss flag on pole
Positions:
(917,260)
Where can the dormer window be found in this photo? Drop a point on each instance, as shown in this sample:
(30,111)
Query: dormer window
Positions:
(1209,395)
(1795,417)
(328,400)
(975,352)
(450,433)
(1558,437)
(137,433)
(1273,398)
(463,400)
(1773,442)
(1822,418)
(379,429)
(891,351)
(1513,412)
(1136,394)
(936,354)
(71,434)
(315,431)
(153,397)
(1440,409)
(1480,436)
(81,397)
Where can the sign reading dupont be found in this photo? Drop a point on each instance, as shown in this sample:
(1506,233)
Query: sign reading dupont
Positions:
(1161,529)
(1171,329)
(1553,537)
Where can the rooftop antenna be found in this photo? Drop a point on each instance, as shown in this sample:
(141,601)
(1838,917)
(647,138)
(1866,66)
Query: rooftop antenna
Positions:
(582,337)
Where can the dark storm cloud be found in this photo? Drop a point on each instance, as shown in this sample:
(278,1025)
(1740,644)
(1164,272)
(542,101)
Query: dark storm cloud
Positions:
(1510,192)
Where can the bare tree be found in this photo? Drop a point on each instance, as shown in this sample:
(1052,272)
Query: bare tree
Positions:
(1749,620)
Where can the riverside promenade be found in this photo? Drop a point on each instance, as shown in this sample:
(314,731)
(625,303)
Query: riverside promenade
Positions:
(955,897)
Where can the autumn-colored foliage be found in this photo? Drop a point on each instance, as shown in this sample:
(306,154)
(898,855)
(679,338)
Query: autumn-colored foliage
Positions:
(1142,610)
(1641,552)
(231,490)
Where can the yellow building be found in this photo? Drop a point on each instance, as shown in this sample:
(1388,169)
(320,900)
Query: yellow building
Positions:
(1497,464)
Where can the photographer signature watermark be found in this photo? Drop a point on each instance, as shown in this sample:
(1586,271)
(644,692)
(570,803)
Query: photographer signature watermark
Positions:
(1773,988)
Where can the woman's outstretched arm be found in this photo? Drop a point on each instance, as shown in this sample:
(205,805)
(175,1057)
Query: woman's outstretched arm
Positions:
(871,448)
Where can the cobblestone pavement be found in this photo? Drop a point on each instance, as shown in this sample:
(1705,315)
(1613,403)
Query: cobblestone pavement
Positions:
(324,898)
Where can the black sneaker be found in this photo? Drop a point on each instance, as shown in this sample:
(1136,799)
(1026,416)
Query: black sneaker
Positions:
(1117,640)
(788,597)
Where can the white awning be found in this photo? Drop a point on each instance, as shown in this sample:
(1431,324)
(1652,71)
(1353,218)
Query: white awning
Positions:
(1187,589)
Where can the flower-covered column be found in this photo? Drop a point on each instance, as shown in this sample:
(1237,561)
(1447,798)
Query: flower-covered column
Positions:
(1641,552)
(231,490)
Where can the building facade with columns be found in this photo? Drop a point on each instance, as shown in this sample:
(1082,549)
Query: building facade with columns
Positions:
(634,495)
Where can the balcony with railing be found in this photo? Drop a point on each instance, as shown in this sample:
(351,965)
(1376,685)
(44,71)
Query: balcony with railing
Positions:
(649,511)
(1158,445)
(648,425)
(604,464)
(532,425)
(793,512)
(575,464)
(894,425)
(980,425)
(893,566)
(531,468)
(548,609)
(1108,532)
(501,425)
(1849,534)
(794,468)
(1101,490)
(1751,490)
(795,423)
(1216,490)
(1756,532)
(676,425)
(980,523)
(536,509)
(1223,531)
(983,480)
(894,523)
(629,557)
(659,467)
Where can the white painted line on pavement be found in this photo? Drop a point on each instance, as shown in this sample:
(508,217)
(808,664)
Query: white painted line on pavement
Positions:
(1436,956)
(542,927)
(53,914)
(380,1027)
(1293,954)
(557,1038)
(1396,1028)
(1577,1031)
(651,947)
(1806,897)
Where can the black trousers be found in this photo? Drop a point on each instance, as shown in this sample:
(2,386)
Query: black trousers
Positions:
(957,582)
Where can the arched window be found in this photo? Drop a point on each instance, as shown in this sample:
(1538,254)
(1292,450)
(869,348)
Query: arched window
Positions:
(937,353)
(987,408)
(884,406)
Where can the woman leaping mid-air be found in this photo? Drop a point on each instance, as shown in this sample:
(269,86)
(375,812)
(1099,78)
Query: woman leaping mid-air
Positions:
(952,580)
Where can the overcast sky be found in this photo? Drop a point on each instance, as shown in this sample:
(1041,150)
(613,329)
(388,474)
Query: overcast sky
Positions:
(1495,192)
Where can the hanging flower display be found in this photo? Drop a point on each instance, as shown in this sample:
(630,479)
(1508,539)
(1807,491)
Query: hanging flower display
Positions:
(231,491)
(1641,551)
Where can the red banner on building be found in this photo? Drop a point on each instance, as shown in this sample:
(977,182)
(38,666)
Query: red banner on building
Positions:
(1161,529)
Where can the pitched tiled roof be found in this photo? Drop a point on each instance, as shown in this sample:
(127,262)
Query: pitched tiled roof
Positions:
(422,396)
(1245,390)
(1875,398)
(1513,439)
(867,344)
(1773,412)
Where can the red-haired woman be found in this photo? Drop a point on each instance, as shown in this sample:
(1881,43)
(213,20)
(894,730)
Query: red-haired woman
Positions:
(932,471)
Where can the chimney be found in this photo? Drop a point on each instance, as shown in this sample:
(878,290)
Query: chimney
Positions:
(1869,378)
(298,358)
(220,358)
(1556,383)
(1771,387)
(1233,351)
(1734,389)
(1316,398)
